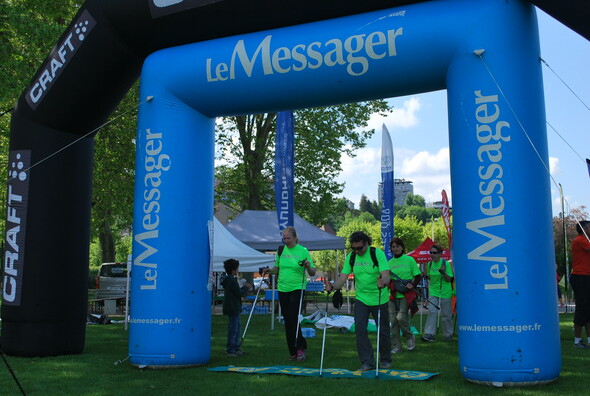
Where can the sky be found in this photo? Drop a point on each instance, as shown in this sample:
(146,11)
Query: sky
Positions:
(419,130)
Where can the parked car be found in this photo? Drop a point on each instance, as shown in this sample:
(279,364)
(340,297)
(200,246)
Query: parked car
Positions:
(111,281)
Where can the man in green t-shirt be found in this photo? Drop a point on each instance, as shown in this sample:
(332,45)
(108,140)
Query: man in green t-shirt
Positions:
(370,279)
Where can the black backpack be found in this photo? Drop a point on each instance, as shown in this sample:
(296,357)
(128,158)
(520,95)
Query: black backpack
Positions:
(373,252)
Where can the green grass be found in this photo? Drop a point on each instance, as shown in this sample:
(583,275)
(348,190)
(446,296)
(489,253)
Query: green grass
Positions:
(94,372)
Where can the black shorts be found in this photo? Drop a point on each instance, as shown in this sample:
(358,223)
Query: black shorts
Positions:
(581,287)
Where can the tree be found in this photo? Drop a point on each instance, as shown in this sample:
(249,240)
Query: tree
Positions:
(372,207)
(415,200)
(337,217)
(563,246)
(437,231)
(373,229)
(410,230)
(364,204)
(245,139)
(325,260)
(419,212)
(28,31)
(322,136)
(368,217)
(113,178)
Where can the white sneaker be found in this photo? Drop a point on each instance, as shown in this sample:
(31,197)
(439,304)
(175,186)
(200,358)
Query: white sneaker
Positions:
(397,349)
(411,343)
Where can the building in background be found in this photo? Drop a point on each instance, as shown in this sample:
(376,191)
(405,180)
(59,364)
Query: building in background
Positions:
(349,204)
(401,189)
(436,205)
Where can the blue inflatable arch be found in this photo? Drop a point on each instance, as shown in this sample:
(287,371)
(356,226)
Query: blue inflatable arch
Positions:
(485,53)
(493,77)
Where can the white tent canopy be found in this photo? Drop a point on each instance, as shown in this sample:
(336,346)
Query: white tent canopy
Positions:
(226,246)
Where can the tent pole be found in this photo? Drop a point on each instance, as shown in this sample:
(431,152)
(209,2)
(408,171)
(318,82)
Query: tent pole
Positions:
(272,307)
(565,258)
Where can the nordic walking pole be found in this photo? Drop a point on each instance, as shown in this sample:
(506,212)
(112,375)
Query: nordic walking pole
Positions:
(324,337)
(378,334)
(253,306)
(11,372)
(443,268)
(438,313)
(301,263)
(419,292)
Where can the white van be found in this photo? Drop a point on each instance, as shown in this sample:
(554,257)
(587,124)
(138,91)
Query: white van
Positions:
(111,281)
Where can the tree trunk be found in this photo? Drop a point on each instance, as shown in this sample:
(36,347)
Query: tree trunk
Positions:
(107,244)
(254,134)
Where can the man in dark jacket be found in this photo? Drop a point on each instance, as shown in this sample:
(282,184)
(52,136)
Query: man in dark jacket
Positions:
(232,306)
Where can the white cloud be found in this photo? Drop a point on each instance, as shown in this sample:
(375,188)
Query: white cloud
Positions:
(361,174)
(404,117)
(427,162)
(554,166)
(429,172)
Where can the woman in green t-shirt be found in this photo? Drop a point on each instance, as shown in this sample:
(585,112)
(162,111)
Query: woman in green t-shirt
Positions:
(402,267)
(440,290)
(292,264)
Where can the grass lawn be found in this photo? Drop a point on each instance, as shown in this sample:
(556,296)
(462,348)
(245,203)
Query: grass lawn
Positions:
(95,373)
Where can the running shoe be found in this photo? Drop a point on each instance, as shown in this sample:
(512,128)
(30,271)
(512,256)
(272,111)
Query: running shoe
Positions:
(365,367)
(427,338)
(581,345)
(300,355)
(411,343)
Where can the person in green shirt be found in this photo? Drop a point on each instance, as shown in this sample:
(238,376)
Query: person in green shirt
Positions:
(440,275)
(293,262)
(370,279)
(404,267)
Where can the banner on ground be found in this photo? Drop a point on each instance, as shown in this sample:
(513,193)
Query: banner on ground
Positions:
(329,372)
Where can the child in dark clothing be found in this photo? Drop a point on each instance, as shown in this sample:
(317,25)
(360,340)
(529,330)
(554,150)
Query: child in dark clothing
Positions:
(232,306)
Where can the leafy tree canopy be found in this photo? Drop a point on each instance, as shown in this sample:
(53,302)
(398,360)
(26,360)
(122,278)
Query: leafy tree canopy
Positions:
(28,31)
(322,136)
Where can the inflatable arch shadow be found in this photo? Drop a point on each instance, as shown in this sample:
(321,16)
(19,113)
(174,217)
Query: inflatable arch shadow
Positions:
(67,98)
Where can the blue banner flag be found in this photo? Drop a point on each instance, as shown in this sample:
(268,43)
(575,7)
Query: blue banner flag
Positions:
(284,164)
(588,164)
(387,198)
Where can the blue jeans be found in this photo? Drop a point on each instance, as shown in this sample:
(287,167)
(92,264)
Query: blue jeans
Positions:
(234,328)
